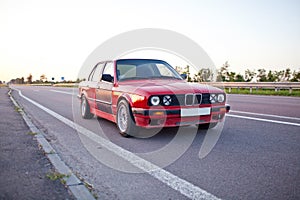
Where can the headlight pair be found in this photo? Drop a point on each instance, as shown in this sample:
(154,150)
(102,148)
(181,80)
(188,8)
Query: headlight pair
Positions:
(156,100)
(217,98)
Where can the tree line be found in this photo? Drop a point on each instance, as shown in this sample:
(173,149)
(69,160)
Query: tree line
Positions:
(203,75)
(226,75)
(43,79)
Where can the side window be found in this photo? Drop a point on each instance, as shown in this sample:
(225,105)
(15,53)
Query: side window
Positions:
(97,72)
(108,72)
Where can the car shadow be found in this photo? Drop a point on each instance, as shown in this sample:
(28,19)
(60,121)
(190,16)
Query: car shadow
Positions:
(150,139)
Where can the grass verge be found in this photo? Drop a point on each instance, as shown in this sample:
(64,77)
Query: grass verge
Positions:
(53,176)
(260,91)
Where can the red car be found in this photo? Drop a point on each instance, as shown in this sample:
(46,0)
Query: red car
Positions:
(148,93)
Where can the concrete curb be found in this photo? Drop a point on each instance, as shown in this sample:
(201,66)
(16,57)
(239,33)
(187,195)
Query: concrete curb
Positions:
(76,186)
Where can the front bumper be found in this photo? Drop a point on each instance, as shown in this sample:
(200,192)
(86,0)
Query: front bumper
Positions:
(151,118)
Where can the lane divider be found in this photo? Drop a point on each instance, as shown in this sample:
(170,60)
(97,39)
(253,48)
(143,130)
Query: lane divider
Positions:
(184,187)
(266,115)
(262,120)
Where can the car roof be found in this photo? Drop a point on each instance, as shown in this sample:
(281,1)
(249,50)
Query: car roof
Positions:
(145,59)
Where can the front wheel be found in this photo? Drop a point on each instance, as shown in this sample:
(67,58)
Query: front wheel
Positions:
(125,122)
(85,109)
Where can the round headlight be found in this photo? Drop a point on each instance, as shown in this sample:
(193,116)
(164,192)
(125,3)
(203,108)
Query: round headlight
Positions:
(155,100)
(213,98)
(221,98)
(167,100)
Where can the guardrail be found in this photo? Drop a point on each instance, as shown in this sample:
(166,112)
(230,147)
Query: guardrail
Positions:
(259,85)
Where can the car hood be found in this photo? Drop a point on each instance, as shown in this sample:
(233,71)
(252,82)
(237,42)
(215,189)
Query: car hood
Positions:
(150,87)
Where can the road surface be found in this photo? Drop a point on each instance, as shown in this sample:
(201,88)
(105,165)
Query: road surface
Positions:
(256,156)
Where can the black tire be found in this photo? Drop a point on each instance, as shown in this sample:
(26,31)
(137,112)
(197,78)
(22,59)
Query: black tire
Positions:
(125,122)
(85,109)
(207,126)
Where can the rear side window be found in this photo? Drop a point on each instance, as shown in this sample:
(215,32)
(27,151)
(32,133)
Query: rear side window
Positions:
(96,73)
(109,69)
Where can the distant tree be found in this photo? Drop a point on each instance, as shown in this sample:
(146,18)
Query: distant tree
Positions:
(18,81)
(224,73)
(239,78)
(187,72)
(231,76)
(271,76)
(287,74)
(43,78)
(203,75)
(0,82)
(249,75)
(262,75)
(296,76)
(29,79)
(279,75)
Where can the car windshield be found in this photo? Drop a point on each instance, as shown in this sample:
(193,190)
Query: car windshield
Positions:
(135,69)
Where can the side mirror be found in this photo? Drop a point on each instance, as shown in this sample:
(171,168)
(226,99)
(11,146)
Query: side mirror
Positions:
(184,76)
(108,78)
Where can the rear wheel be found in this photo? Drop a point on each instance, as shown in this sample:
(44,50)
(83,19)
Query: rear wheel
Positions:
(125,122)
(207,126)
(85,109)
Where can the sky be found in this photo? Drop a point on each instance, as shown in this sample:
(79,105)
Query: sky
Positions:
(55,37)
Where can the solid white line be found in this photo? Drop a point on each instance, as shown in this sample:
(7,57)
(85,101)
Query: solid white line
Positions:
(263,120)
(184,187)
(58,91)
(267,115)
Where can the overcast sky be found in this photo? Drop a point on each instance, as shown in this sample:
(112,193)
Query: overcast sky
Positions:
(55,37)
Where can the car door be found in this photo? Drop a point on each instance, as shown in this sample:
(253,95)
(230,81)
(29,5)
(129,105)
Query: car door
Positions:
(104,89)
(92,83)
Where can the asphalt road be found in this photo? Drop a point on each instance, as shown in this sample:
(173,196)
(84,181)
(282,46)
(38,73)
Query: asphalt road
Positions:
(24,167)
(256,156)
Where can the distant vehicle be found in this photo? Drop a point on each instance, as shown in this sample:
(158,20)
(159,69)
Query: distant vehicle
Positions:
(148,93)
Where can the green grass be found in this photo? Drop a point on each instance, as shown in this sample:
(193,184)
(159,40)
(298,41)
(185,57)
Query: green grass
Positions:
(18,109)
(260,91)
(31,133)
(53,176)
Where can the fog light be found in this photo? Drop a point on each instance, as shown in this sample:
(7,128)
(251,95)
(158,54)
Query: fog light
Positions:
(158,113)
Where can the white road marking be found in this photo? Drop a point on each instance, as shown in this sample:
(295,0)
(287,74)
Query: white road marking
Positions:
(184,187)
(58,91)
(267,115)
(263,120)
